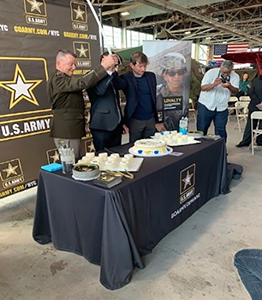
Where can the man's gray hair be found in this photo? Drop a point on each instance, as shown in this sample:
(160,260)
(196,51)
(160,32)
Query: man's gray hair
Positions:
(62,54)
(227,64)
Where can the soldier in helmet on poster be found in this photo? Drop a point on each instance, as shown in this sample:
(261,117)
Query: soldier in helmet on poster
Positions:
(172,94)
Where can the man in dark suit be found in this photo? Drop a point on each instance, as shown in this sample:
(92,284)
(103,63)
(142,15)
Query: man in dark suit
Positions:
(255,104)
(64,92)
(106,121)
(141,115)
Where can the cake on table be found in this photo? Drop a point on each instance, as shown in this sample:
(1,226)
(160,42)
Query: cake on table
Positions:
(150,147)
(85,171)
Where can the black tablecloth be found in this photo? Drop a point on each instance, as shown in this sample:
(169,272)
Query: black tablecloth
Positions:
(115,227)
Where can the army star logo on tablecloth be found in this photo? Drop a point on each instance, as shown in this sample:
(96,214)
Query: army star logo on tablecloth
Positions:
(20,88)
(187,179)
(187,183)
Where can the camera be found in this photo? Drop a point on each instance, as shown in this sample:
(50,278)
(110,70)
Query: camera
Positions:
(224,79)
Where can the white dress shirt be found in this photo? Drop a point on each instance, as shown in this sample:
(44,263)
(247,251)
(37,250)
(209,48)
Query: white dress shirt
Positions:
(218,97)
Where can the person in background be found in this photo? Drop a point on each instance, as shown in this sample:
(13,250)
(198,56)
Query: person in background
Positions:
(172,95)
(139,87)
(64,92)
(106,121)
(244,86)
(216,87)
(249,265)
(255,104)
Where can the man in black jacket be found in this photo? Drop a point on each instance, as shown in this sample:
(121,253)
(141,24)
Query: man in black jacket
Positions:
(255,104)
(64,92)
(106,121)
(141,115)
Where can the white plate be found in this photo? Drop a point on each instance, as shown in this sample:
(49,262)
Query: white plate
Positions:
(152,155)
(176,144)
(85,179)
(184,143)
(134,166)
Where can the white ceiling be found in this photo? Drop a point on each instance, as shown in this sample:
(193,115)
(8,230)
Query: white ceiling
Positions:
(209,21)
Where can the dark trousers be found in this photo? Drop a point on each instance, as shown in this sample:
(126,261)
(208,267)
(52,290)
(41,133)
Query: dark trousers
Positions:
(247,133)
(206,116)
(105,139)
(141,129)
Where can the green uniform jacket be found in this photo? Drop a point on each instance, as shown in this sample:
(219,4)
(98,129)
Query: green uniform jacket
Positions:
(66,98)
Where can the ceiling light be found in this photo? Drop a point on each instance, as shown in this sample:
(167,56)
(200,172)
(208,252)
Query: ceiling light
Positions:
(124,13)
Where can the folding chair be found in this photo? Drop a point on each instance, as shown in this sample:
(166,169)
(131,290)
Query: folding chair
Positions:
(241,113)
(255,132)
(191,110)
(231,105)
(244,98)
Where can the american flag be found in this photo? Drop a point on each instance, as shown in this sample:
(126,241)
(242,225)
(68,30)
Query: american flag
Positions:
(220,49)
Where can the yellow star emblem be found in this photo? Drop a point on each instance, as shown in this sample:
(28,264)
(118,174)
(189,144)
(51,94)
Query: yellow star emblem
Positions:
(10,170)
(35,5)
(79,13)
(91,147)
(20,88)
(55,157)
(82,51)
(187,179)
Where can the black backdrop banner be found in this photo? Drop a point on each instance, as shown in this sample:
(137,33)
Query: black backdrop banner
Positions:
(31,32)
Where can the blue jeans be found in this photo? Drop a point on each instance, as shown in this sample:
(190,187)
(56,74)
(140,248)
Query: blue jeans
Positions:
(249,265)
(206,116)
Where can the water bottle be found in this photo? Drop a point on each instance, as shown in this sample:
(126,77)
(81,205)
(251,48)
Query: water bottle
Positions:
(183,124)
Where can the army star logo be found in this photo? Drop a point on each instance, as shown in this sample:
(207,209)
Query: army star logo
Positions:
(187,179)
(82,51)
(55,157)
(35,5)
(91,147)
(10,170)
(79,13)
(20,88)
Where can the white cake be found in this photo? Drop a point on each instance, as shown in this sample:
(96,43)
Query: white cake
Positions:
(150,147)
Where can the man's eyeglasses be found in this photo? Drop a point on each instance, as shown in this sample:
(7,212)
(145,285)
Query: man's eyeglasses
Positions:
(174,73)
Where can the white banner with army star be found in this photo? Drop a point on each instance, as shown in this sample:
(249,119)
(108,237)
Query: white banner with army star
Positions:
(31,32)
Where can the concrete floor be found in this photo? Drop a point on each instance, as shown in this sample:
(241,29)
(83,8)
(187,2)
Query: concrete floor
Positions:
(194,262)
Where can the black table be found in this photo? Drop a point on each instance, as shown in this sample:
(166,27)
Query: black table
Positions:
(114,228)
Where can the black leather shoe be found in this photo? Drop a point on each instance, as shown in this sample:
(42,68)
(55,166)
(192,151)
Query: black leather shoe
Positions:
(241,144)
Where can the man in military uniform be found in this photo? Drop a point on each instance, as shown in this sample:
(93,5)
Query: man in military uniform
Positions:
(172,96)
(65,95)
